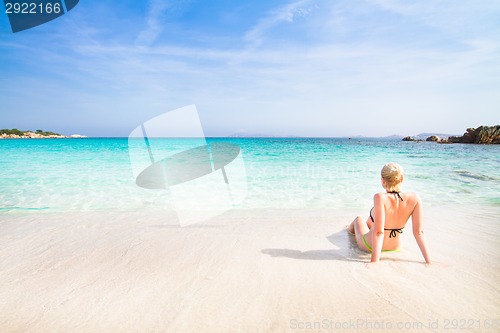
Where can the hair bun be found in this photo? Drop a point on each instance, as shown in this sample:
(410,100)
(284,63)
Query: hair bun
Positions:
(393,175)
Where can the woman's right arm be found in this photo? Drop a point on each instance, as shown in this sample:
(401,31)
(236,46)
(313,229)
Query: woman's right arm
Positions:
(378,227)
(418,231)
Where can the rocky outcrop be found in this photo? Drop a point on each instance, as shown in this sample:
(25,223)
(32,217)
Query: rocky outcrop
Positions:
(31,135)
(480,135)
(409,138)
(434,138)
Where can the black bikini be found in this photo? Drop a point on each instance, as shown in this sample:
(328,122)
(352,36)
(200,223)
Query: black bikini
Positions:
(393,231)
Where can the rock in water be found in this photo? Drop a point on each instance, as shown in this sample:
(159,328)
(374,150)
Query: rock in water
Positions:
(409,138)
(486,134)
(481,135)
(434,138)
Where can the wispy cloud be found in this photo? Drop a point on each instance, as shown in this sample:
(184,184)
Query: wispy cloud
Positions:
(154,26)
(454,17)
(288,13)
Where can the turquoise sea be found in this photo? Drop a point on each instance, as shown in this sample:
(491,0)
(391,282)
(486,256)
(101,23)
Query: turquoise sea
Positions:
(95,174)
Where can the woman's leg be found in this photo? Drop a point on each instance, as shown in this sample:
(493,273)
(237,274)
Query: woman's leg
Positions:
(360,228)
(352,227)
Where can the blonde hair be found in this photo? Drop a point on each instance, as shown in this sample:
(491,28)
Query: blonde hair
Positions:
(393,175)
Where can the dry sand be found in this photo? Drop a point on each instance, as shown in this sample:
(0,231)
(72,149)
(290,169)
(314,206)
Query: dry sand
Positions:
(245,271)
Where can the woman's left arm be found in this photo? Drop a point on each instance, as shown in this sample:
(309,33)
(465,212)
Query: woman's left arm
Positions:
(378,227)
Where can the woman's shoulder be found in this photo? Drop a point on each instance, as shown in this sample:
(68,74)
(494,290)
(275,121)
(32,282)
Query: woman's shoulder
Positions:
(411,199)
(411,195)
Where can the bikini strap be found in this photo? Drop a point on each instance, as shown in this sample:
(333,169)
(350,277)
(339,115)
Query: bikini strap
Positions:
(397,194)
(393,232)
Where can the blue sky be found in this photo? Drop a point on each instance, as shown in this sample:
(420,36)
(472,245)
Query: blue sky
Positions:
(307,68)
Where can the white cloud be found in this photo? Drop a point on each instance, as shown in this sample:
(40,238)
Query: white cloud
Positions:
(287,13)
(154,26)
(457,18)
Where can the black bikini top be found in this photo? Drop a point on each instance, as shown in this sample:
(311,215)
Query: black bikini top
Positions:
(393,232)
(400,230)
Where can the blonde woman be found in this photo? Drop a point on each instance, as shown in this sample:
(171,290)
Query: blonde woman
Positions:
(391,210)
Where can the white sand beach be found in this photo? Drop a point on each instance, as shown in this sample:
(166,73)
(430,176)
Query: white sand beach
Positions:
(244,271)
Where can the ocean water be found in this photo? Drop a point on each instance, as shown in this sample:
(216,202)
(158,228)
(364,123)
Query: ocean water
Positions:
(95,174)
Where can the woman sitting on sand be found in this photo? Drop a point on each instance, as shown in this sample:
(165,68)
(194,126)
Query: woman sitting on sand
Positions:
(391,210)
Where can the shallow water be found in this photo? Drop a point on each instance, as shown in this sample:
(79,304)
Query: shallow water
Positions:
(54,175)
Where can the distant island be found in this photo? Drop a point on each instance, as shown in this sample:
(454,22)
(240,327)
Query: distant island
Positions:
(38,134)
(480,135)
